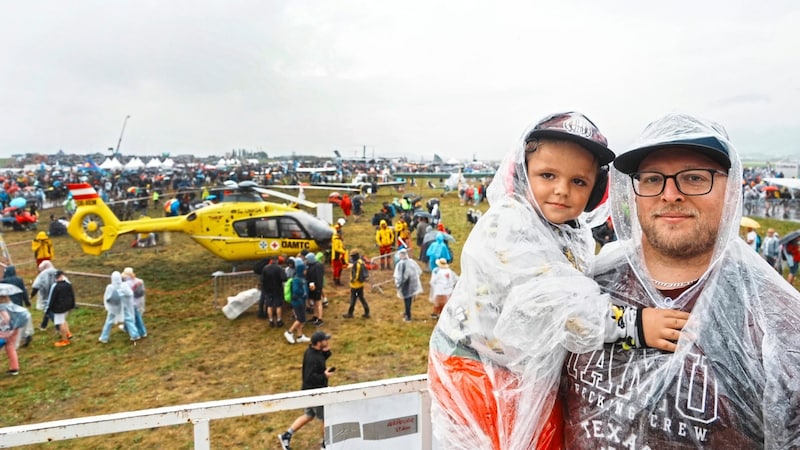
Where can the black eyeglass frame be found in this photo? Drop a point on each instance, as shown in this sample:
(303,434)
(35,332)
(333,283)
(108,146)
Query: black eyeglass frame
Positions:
(634,177)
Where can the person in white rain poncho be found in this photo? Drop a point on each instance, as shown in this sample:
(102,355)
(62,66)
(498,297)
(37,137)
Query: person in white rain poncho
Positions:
(117,297)
(733,379)
(524,299)
(443,281)
(406,280)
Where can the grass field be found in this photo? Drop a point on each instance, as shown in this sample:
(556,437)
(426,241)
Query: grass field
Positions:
(195,354)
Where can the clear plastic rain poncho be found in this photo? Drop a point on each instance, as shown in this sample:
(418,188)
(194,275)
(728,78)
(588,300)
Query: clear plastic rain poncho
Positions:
(734,380)
(523,300)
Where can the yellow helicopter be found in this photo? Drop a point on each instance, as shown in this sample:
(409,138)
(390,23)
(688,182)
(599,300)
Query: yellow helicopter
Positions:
(241,227)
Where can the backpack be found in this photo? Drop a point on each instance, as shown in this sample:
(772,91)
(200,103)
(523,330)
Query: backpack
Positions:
(363,275)
(758,242)
(138,289)
(287,290)
(115,299)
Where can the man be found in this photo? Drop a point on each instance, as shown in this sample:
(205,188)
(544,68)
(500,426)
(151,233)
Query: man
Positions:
(357,271)
(731,383)
(315,375)
(62,301)
(771,247)
(315,276)
(272,278)
(422,230)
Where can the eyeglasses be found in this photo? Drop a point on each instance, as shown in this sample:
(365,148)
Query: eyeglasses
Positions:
(689,182)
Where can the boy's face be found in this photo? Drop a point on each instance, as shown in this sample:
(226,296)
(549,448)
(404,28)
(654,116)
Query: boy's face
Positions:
(562,175)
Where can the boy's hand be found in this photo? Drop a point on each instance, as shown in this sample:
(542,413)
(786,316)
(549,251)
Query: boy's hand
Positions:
(661,327)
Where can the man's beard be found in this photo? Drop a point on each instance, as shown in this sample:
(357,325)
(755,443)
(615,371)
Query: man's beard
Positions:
(698,241)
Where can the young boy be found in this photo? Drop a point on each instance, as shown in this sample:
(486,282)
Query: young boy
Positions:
(524,298)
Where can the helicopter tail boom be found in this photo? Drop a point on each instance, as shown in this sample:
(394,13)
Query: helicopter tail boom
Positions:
(93,225)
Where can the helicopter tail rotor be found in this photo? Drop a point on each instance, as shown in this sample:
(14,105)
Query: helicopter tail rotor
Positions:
(93,225)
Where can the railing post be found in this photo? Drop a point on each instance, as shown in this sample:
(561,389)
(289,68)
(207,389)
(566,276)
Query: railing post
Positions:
(202,435)
(425,429)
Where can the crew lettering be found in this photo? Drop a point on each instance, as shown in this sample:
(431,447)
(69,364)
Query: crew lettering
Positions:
(295,244)
(684,412)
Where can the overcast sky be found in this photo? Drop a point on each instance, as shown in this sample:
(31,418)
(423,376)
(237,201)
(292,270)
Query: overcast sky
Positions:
(457,78)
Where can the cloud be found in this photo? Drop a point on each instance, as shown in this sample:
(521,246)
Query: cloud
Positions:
(421,76)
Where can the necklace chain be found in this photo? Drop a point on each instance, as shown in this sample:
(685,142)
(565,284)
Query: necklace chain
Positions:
(676,285)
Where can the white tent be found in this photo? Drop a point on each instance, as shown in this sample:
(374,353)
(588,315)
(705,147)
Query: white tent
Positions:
(168,163)
(153,164)
(134,164)
(111,164)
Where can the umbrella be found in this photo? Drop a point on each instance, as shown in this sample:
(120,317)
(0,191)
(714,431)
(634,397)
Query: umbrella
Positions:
(9,289)
(770,188)
(18,202)
(424,214)
(749,223)
(789,237)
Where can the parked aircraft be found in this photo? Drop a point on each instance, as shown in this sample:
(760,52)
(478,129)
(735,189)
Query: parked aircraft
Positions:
(247,228)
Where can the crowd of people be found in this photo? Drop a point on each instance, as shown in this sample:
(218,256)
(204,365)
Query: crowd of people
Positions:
(124,301)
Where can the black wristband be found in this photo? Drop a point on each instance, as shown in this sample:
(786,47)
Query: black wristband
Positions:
(640,327)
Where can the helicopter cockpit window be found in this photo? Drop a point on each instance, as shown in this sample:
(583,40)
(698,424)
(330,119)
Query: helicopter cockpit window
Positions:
(267,228)
(290,229)
(257,228)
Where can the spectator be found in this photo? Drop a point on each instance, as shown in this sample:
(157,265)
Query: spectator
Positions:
(112,300)
(315,376)
(272,279)
(524,298)
(137,287)
(791,251)
(438,249)
(20,299)
(771,248)
(62,301)
(407,282)
(42,248)
(299,297)
(732,381)
(357,271)
(443,281)
(315,276)
(41,290)
(385,239)
(13,318)
(338,255)
(753,239)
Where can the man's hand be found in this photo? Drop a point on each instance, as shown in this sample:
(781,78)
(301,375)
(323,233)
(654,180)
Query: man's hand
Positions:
(661,327)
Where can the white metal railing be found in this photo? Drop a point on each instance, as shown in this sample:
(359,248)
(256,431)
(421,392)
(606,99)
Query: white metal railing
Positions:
(201,414)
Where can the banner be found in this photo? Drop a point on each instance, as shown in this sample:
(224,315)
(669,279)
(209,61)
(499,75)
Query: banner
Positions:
(387,423)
